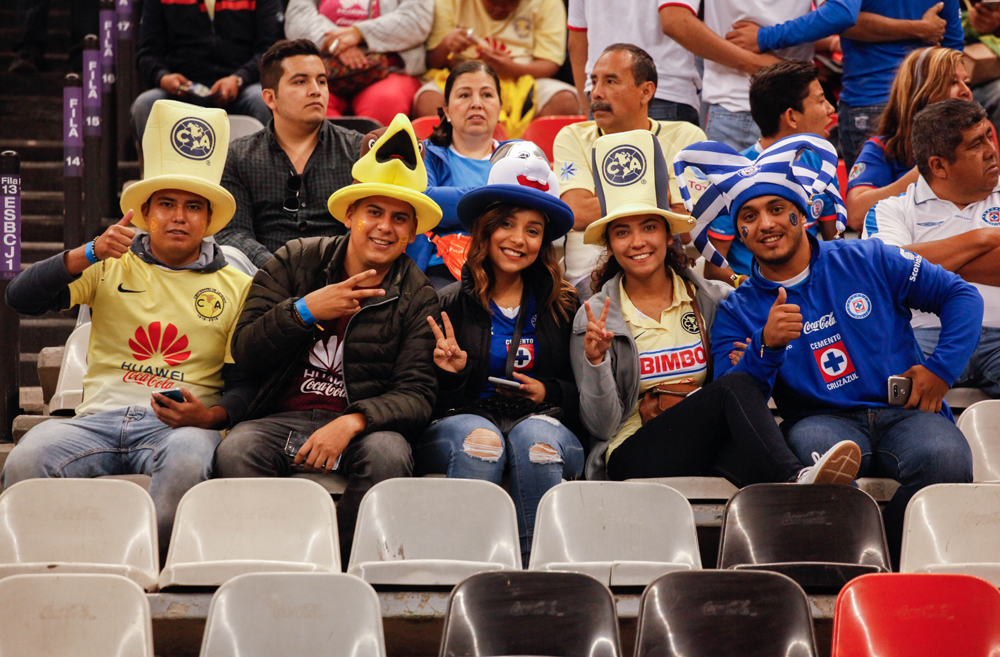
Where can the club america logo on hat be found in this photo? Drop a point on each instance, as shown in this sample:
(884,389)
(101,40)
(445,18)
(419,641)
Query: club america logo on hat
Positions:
(193,138)
(624,165)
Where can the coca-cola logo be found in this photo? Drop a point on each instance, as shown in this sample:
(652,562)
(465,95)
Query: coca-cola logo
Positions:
(323,388)
(824,322)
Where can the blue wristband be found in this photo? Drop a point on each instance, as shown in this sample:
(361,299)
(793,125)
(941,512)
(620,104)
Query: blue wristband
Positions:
(304,313)
(89,252)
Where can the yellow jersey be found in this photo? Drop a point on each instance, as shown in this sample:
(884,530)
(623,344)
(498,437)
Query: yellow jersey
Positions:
(155,329)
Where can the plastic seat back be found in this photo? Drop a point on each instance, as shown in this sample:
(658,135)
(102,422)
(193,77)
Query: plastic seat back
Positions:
(78,615)
(69,386)
(428,531)
(544,129)
(301,614)
(819,535)
(622,533)
(916,615)
(362,124)
(424,126)
(953,528)
(981,425)
(241,125)
(238,260)
(228,527)
(724,613)
(530,613)
(79,526)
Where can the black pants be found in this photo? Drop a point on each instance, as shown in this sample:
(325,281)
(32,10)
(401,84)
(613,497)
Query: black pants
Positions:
(725,429)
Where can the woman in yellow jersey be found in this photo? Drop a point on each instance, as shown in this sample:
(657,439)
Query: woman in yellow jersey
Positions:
(641,354)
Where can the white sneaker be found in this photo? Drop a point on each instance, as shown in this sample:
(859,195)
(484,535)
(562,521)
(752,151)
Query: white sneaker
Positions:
(838,466)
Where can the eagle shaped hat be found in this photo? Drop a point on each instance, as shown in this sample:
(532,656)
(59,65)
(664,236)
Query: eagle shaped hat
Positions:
(393,167)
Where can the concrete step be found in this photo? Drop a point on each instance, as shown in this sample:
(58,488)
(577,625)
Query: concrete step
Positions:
(42,202)
(47,176)
(35,251)
(42,227)
(36,334)
(34,150)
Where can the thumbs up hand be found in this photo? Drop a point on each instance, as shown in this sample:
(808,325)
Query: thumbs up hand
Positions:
(116,240)
(784,323)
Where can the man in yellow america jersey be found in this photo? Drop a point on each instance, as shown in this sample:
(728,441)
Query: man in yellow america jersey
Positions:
(163,304)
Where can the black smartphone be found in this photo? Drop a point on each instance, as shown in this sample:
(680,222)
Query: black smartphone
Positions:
(296,440)
(172,394)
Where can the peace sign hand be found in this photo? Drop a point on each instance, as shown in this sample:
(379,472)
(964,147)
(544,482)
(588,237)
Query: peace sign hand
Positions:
(596,341)
(341,299)
(448,356)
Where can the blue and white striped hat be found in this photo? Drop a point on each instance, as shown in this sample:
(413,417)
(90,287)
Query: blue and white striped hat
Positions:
(734,180)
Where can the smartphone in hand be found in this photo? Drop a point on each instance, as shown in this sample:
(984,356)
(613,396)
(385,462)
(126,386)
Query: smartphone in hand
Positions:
(174,394)
(899,390)
(504,383)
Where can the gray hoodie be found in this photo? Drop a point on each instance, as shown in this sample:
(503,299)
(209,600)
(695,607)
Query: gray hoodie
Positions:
(604,413)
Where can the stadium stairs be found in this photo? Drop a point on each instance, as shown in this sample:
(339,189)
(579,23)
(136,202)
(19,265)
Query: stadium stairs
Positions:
(31,124)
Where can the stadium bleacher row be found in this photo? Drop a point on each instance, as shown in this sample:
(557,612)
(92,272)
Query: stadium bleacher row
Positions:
(77,554)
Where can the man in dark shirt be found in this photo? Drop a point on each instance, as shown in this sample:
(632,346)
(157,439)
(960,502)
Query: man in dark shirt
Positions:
(281,177)
(213,43)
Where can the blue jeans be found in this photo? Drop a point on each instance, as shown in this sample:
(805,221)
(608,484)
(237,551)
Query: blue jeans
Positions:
(249,102)
(737,129)
(913,447)
(129,440)
(855,125)
(983,369)
(666,110)
(539,452)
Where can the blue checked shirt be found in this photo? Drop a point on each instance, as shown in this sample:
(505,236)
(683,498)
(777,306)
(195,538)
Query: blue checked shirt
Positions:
(256,174)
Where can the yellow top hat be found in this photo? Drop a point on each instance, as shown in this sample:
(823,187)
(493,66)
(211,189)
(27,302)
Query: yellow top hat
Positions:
(631,178)
(184,147)
(394,167)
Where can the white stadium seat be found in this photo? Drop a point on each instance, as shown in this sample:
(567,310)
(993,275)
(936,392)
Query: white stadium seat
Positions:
(79,526)
(228,527)
(696,488)
(622,533)
(241,125)
(981,425)
(430,531)
(69,385)
(74,615)
(301,614)
(953,528)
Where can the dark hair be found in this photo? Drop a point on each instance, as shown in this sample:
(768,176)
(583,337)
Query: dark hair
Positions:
(442,132)
(271,69)
(643,67)
(562,298)
(775,88)
(608,266)
(938,128)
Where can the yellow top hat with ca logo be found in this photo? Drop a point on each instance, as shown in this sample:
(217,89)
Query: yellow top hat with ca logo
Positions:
(184,147)
(631,178)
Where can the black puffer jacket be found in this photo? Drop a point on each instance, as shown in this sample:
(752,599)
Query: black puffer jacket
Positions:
(388,345)
(473,330)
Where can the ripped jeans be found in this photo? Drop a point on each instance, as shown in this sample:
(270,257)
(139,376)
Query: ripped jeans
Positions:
(539,453)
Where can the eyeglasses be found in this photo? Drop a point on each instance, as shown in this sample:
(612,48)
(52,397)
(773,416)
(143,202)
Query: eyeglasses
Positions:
(294,186)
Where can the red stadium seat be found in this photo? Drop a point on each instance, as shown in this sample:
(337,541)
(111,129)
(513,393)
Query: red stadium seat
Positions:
(543,131)
(916,616)
(424,126)
(842,179)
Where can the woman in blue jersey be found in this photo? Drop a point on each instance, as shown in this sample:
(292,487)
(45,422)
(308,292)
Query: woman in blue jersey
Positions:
(457,156)
(509,319)
(885,166)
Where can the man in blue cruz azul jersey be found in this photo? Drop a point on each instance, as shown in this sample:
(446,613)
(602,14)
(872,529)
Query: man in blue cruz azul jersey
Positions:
(829,322)
(163,302)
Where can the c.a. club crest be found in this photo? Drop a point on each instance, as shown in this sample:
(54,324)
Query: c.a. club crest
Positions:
(193,138)
(624,165)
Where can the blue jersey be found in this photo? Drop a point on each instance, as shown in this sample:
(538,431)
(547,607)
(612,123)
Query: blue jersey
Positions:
(502,333)
(724,228)
(855,306)
(874,168)
(869,67)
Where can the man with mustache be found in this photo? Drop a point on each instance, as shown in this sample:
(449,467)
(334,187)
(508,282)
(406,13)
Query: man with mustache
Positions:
(951,217)
(623,84)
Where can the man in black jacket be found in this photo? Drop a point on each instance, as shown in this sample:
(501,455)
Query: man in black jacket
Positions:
(213,43)
(336,328)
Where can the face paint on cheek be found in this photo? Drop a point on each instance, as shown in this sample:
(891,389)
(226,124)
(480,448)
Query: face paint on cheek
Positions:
(744,231)
(154,225)
(793,219)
